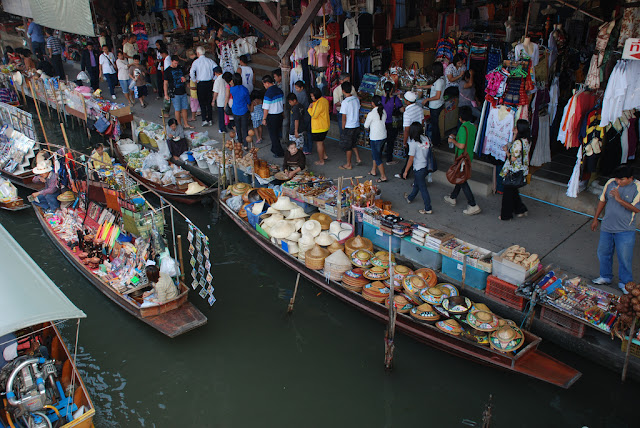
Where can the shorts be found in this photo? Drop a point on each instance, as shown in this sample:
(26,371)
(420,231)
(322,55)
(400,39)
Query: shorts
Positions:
(319,136)
(180,102)
(349,138)
(124,84)
(140,91)
(195,105)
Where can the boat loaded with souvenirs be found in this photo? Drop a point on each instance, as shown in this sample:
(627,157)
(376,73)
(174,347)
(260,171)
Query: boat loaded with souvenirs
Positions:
(350,267)
(38,375)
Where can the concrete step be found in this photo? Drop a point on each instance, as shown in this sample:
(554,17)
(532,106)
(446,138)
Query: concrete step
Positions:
(555,193)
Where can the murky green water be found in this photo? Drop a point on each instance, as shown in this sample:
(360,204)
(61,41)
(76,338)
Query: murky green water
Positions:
(253,365)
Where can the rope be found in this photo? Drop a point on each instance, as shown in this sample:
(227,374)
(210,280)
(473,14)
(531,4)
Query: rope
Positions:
(530,308)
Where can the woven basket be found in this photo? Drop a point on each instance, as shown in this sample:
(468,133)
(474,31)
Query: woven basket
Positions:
(336,264)
(314,258)
(357,243)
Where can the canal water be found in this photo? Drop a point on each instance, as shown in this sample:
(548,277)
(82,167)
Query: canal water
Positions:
(254,365)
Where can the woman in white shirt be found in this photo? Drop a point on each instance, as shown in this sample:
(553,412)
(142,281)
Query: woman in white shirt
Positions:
(123,76)
(376,123)
(436,101)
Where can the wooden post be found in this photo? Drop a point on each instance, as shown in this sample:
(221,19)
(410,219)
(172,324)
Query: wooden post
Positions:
(24,97)
(223,176)
(64,134)
(339,199)
(84,110)
(35,101)
(46,98)
(293,299)
(235,167)
(629,343)
(389,345)
(526,27)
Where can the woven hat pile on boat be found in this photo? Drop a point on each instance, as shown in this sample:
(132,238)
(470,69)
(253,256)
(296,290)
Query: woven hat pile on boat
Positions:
(375,292)
(357,243)
(335,247)
(240,189)
(314,258)
(336,264)
(324,239)
(433,296)
(429,275)
(506,339)
(480,307)
(361,258)
(381,259)
(354,280)
(284,204)
(403,304)
(457,305)
(483,321)
(399,274)
(450,327)
(448,289)
(413,285)
(323,219)
(424,312)
(376,274)
(282,229)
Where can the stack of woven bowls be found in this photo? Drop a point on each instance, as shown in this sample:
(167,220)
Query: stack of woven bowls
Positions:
(336,264)
(354,280)
(314,258)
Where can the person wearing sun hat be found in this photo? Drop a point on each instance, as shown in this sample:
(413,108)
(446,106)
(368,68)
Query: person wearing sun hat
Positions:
(47,198)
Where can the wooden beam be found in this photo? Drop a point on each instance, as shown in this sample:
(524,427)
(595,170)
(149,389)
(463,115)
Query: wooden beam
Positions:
(270,10)
(299,29)
(235,7)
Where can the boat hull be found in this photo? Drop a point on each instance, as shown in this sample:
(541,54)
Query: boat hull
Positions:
(528,361)
(174,318)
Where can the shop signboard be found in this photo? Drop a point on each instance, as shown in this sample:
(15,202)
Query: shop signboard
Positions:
(631,49)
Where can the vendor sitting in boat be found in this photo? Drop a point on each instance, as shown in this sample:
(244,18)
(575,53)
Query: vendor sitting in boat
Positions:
(175,139)
(294,160)
(47,198)
(163,286)
(100,159)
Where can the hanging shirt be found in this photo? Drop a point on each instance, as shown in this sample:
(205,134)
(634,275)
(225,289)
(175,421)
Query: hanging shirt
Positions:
(351,33)
(499,132)
(294,76)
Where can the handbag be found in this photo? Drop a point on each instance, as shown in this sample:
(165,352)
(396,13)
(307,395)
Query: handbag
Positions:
(460,171)
(101,125)
(515,178)
(432,165)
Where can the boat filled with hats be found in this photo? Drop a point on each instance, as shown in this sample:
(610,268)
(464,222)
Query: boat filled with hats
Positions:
(429,309)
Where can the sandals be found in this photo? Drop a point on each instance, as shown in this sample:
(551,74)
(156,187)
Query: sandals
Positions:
(344,167)
(380,180)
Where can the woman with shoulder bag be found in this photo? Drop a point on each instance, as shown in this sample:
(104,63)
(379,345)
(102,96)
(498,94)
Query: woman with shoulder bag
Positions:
(394,107)
(515,171)
(463,142)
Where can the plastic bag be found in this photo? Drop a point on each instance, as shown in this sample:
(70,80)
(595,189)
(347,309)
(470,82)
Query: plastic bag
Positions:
(155,161)
(83,76)
(8,191)
(168,265)
(168,178)
(235,203)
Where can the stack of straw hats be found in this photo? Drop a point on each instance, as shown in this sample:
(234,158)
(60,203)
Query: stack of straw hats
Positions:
(357,243)
(381,259)
(403,305)
(335,247)
(450,327)
(429,275)
(323,219)
(413,285)
(375,292)
(424,312)
(376,274)
(433,296)
(457,305)
(324,239)
(354,280)
(362,258)
(314,258)
(507,338)
(399,273)
(336,264)
(305,243)
(240,189)
(448,289)
(483,321)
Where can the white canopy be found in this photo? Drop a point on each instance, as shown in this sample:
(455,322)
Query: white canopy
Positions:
(27,295)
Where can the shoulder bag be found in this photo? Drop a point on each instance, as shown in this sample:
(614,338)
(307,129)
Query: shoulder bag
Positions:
(515,178)
(460,171)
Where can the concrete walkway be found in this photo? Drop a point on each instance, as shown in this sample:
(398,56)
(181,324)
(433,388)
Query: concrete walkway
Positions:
(559,236)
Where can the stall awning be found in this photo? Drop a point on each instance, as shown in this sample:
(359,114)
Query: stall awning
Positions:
(27,295)
(71,16)
(17,7)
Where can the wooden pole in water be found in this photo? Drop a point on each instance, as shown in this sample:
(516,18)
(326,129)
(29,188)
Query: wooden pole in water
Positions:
(293,299)
(24,97)
(179,239)
(35,101)
(64,134)
(223,175)
(84,110)
(389,344)
(46,98)
(235,167)
(629,343)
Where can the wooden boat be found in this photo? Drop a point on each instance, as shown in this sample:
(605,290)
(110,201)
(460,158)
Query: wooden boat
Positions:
(29,315)
(528,360)
(15,205)
(23,180)
(173,318)
(171,192)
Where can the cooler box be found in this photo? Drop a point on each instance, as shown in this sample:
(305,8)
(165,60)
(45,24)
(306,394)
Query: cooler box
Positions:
(422,255)
(380,239)
(474,277)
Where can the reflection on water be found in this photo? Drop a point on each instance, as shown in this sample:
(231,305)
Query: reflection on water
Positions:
(254,365)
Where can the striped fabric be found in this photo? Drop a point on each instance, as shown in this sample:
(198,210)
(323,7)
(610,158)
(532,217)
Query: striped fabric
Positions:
(412,113)
(273,100)
(55,45)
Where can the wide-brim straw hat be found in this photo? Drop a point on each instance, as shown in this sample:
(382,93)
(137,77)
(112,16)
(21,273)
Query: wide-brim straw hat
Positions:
(502,322)
(17,78)
(429,275)
(323,219)
(433,295)
(239,189)
(356,243)
(448,289)
(195,188)
(284,204)
(297,213)
(311,227)
(355,277)
(272,219)
(272,210)
(344,234)
(414,284)
(483,321)
(401,271)
(282,229)
(381,259)
(324,239)
(376,291)
(376,274)
(257,208)
(336,264)
(335,247)
(506,339)
(335,227)
(424,312)
(457,305)
(449,327)
(307,240)
(314,258)
(403,305)
(298,224)
(362,258)
(42,168)
(67,196)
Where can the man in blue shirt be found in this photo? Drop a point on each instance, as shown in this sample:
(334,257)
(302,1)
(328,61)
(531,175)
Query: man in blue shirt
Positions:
(36,35)
(273,107)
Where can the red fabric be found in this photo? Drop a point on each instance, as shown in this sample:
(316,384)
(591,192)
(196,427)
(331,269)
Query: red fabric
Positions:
(584,102)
